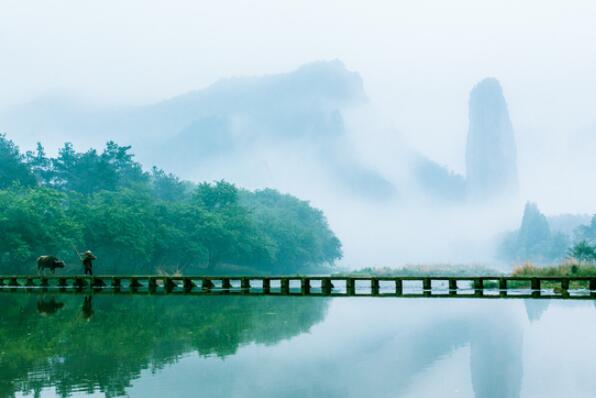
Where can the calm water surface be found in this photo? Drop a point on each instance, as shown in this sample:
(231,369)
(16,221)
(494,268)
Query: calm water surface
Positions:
(183,346)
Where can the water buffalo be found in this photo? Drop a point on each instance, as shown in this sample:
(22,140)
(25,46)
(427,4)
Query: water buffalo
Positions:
(50,262)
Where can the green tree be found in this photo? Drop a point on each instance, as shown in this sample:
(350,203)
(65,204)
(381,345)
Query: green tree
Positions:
(136,221)
(40,165)
(13,168)
(226,230)
(167,186)
(33,222)
(296,234)
(583,252)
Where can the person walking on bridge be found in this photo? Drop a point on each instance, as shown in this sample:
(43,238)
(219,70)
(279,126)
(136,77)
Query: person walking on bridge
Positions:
(87,260)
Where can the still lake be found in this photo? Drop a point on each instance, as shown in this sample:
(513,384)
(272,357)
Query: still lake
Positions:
(272,346)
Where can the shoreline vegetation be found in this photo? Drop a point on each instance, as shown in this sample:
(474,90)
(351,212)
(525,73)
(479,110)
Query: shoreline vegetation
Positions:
(570,267)
(138,221)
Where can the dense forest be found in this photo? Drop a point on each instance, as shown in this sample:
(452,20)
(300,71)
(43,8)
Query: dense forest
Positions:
(138,221)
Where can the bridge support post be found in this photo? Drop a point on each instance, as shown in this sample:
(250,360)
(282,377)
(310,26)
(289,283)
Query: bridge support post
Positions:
(565,284)
(152,285)
(134,284)
(305,285)
(478,286)
(97,282)
(535,284)
(206,284)
(592,284)
(187,285)
(62,283)
(326,286)
(285,285)
(399,287)
(374,286)
(116,283)
(245,283)
(168,284)
(29,282)
(266,285)
(503,285)
(453,287)
(78,283)
(426,284)
(350,287)
(226,284)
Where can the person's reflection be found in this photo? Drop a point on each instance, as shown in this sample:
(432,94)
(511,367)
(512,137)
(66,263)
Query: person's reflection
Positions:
(87,308)
(49,306)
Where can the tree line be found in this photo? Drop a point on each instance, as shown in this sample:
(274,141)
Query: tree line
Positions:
(139,221)
(535,241)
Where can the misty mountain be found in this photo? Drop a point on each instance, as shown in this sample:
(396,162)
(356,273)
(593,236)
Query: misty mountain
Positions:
(257,131)
(287,131)
(568,223)
(437,182)
(491,156)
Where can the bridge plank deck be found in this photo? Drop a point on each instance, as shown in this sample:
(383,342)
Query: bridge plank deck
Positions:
(320,285)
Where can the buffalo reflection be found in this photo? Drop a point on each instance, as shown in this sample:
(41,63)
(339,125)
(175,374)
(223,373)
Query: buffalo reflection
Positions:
(48,306)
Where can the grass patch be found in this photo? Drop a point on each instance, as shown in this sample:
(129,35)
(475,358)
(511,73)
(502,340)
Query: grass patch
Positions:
(566,269)
(423,270)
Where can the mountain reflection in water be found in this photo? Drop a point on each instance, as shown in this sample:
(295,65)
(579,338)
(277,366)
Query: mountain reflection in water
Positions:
(292,346)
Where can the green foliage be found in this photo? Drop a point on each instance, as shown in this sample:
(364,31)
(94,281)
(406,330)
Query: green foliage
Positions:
(583,252)
(34,221)
(137,222)
(293,232)
(13,169)
(566,269)
(167,186)
(91,172)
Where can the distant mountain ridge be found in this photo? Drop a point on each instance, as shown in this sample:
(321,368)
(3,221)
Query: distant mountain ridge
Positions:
(226,129)
(285,130)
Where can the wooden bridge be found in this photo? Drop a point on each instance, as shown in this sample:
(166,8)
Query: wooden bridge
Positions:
(417,286)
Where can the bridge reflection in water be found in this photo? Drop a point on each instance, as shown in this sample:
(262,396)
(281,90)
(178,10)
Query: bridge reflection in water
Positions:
(406,286)
(136,342)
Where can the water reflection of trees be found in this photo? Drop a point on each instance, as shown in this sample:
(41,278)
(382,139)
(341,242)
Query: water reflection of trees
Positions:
(103,343)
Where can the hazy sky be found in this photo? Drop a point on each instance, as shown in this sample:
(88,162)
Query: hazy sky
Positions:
(418,58)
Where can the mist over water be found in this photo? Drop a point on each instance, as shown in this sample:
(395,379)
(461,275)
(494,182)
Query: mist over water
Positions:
(294,346)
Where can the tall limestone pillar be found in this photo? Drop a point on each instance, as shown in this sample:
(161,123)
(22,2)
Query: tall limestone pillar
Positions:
(491,154)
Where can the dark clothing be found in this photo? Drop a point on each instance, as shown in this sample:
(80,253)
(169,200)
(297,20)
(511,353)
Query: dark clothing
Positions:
(88,263)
